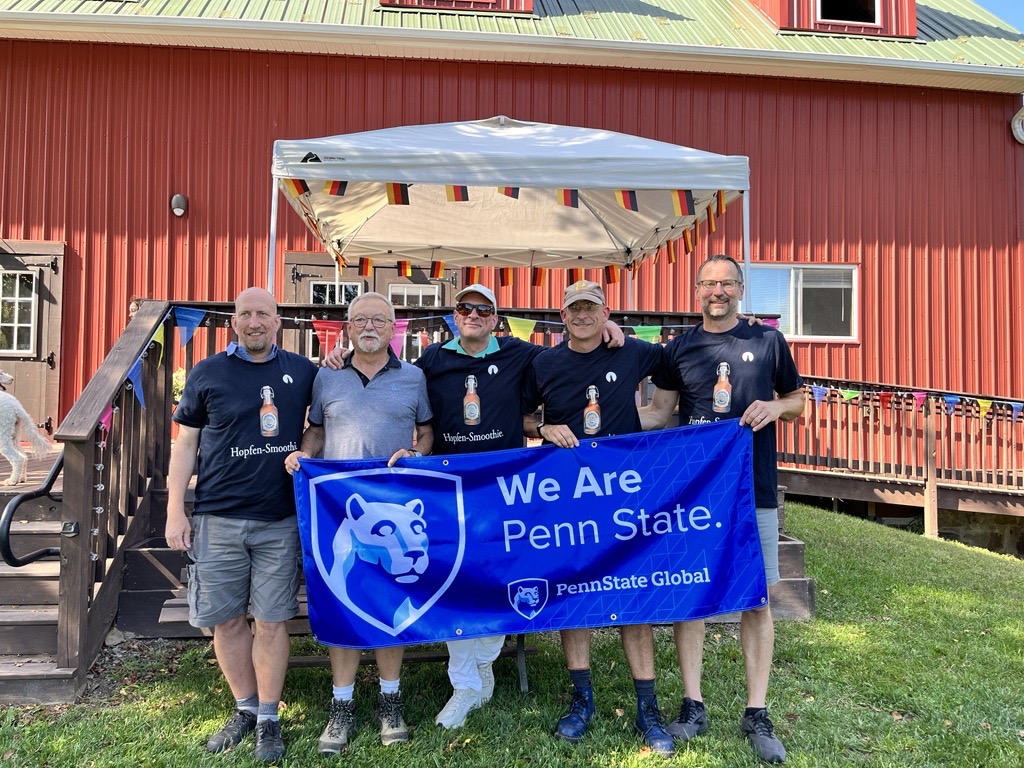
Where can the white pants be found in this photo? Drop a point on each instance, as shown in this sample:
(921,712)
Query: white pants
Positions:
(466,655)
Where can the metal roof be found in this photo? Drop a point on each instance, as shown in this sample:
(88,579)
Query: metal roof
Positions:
(959,44)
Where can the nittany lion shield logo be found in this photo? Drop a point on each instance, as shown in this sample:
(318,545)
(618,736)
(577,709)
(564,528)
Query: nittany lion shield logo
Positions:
(528,596)
(387,551)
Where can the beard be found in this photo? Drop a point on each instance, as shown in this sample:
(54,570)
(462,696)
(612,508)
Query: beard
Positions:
(369,344)
(257,345)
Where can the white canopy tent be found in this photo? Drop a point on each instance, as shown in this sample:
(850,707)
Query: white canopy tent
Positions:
(492,193)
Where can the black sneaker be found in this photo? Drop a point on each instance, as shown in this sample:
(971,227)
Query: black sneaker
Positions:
(760,733)
(692,720)
(234,730)
(269,744)
(339,728)
(393,729)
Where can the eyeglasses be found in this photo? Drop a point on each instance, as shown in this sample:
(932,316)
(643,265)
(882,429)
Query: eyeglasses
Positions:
(378,322)
(582,306)
(465,309)
(727,285)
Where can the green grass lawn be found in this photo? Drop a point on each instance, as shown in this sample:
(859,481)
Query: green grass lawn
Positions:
(915,658)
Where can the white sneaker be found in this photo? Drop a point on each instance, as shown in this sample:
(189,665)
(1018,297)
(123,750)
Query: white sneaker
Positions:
(462,702)
(486,682)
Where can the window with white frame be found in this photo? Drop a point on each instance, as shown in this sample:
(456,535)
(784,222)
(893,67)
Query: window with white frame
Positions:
(849,11)
(329,293)
(411,295)
(810,300)
(18,309)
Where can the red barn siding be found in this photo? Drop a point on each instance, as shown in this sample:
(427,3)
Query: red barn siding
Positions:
(918,187)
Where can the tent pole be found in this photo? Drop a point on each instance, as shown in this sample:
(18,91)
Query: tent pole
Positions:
(747,295)
(272,252)
(629,289)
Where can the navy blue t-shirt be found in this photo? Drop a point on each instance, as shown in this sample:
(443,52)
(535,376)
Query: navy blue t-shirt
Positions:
(759,366)
(559,379)
(241,473)
(499,384)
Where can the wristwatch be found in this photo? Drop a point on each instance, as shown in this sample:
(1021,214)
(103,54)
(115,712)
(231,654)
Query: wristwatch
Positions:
(540,426)
(414,452)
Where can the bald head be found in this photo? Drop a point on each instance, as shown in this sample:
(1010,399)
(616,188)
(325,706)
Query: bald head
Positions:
(256,322)
(256,294)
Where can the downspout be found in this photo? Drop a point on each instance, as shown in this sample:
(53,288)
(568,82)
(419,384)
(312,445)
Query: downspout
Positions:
(1017,126)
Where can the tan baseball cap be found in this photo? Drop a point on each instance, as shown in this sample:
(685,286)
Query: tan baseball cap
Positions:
(583,290)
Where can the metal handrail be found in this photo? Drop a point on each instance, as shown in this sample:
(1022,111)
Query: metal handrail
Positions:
(5,521)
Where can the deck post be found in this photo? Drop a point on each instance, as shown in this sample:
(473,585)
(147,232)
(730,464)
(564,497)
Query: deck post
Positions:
(931,481)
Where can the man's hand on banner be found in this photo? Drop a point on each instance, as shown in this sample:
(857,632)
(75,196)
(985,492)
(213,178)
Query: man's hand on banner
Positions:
(291,461)
(560,435)
(403,453)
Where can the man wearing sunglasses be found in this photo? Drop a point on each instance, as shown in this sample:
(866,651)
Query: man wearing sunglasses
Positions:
(475,383)
(723,368)
(369,408)
(573,381)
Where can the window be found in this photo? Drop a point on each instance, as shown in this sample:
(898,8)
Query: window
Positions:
(409,295)
(18,309)
(325,293)
(811,301)
(849,11)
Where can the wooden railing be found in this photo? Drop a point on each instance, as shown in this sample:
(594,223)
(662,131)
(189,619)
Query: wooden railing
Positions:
(887,435)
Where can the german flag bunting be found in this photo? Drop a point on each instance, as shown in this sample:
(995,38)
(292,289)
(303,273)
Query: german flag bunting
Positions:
(335,188)
(365,267)
(611,273)
(505,275)
(512,192)
(687,241)
(712,227)
(538,277)
(297,187)
(720,202)
(436,270)
(472,275)
(575,274)
(570,198)
(405,268)
(696,235)
(456,193)
(670,251)
(682,202)
(398,194)
(626,198)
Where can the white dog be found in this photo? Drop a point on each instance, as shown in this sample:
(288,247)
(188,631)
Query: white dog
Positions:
(14,419)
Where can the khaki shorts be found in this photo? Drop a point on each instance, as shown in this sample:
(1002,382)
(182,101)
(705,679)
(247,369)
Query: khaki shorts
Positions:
(768,528)
(243,566)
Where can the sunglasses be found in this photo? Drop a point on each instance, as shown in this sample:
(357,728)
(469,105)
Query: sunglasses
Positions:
(465,309)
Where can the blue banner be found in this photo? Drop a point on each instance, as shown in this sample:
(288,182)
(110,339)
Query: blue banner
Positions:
(646,528)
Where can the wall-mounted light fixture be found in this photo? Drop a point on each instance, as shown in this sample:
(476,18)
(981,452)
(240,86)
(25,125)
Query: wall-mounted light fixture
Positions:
(179,205)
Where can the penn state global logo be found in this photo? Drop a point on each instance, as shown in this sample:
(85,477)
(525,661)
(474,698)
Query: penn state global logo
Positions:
(382,554)
(528,596)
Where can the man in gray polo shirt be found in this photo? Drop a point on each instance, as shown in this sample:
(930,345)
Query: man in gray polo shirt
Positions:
(370,408)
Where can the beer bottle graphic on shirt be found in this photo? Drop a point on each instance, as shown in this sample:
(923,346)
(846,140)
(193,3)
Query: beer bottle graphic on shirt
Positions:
(592,413)
(471,402)
(268,414)
(723,390)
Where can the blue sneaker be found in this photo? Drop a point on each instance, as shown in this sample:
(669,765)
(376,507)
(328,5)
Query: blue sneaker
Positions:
(651,726)
(573,724)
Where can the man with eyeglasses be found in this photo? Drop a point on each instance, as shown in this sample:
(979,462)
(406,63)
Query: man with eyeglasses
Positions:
(369,408)
(723,368)
(475,382)
(570,380)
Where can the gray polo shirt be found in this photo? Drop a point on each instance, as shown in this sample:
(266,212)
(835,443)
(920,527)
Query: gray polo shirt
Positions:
(369,418)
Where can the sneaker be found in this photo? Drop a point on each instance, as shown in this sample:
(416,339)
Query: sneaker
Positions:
(486,682)
(573,724)
(389,711)
(760,733)
(462,702)
(269,744)
(234,730)
(340,725)
(651,726)
(692,720)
